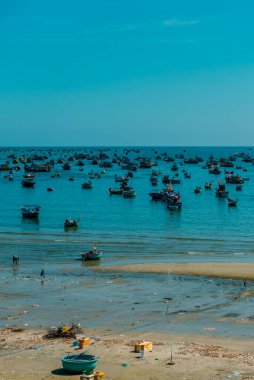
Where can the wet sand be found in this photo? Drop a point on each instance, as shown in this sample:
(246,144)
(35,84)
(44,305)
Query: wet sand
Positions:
(232,270)
(27,355)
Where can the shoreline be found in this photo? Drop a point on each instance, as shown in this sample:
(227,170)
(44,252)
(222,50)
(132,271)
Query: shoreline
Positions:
(228,270)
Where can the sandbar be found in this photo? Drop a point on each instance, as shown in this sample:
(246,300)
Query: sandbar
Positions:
(232,270)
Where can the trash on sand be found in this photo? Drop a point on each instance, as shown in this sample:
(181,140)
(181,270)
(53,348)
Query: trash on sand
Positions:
(124,364)
(63,332)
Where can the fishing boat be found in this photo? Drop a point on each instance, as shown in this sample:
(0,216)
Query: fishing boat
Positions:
(115,191)
(232,202)
(70,223)
(221,191)
(214,170)
(166,179)
(30,211)
(197,190)
(235,179)
(91,255)
(87,185)
(129,193)
(157,196)
(28,181)
(154,181)
(208,185)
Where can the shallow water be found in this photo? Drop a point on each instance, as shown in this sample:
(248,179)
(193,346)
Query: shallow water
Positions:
(128,231)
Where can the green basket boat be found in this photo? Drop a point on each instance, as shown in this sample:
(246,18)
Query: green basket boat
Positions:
(79,363)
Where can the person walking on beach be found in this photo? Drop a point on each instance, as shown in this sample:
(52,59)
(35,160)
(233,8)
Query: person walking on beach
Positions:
(42,274)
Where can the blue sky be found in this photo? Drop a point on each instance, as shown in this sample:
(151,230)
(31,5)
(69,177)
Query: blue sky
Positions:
(130,72)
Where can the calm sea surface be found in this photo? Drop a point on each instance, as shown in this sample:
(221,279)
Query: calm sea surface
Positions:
(127,231)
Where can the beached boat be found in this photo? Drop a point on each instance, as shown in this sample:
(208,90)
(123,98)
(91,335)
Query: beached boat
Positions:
(91,255)
(79,363)
(70,223)
(30,211)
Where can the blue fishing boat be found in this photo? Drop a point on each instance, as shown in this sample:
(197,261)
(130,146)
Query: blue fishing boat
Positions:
(92,255)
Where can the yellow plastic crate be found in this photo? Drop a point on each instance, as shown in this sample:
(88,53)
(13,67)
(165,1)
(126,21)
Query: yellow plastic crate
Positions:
(143,346)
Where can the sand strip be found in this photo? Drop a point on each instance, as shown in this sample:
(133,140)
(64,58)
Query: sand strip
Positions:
(232,270)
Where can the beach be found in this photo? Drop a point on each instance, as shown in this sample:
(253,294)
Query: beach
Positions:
(194,357)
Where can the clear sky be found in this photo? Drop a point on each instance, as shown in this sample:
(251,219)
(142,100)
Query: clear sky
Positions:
(126,72)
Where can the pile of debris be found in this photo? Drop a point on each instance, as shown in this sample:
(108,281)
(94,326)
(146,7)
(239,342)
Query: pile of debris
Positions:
(63,332)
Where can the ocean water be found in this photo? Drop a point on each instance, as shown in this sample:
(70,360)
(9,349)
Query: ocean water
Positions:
(127,231)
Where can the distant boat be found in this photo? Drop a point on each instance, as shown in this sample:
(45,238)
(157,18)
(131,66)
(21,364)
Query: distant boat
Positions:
(70,223)
(30,211)
(129,193)
(28,182)
(92,255)
(232,202)
(197,190)
(115,191)
(87,185)
(208,185)
(221,191)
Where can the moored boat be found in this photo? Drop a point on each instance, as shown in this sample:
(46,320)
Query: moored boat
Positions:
(93,254)
(197,190)
(70,223)
(87,185)
(221,191)
(30,211)
(232,202)
(129,193)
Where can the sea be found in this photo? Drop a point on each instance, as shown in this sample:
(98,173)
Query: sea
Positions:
(128,231)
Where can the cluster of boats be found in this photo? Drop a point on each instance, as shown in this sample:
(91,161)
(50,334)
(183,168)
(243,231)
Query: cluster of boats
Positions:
(169,196)
(131,161)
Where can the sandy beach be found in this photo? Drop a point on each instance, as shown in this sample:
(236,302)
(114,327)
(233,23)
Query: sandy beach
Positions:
(28,355)
(232,270)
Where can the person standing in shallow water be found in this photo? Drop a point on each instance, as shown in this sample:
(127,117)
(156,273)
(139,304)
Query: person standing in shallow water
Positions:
(42,274)
(15,260)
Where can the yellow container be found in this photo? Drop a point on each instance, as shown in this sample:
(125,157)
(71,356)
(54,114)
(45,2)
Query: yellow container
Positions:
(84,342)
(143,346)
